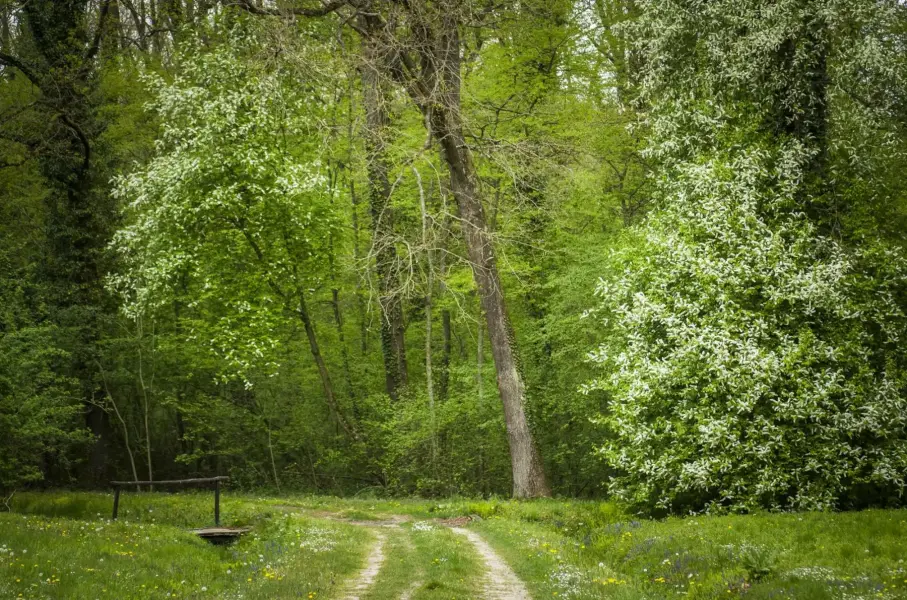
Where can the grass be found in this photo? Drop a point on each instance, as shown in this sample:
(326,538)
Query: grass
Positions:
(43,557)
(186,509)
(63,545)
(428,561)
(565,511)
(810,556)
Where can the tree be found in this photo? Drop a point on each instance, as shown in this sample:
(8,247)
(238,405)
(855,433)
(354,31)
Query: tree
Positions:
(236,182)
(57,54)
(430,68)
(420,48)
(375,93)
(753,355)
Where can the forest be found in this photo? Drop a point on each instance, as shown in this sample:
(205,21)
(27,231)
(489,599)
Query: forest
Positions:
(453,299)
(645,250)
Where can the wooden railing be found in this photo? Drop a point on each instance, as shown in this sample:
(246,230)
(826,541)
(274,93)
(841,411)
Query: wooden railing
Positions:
(117,485)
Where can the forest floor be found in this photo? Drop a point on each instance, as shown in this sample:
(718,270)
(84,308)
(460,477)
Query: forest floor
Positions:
(64,545)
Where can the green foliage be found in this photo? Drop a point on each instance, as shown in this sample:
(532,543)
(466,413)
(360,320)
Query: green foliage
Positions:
(232,206)
(754,354)
(39,410)
(751,362)
(471,457)
(747,337)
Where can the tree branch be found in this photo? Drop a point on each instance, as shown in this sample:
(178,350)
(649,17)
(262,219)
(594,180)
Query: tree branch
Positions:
(12,61)
(7,165)
(325,9)
(102,20)
(82,138)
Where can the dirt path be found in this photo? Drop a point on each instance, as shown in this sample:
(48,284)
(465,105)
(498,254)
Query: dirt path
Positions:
(408,593)
(367,576)
(501,582)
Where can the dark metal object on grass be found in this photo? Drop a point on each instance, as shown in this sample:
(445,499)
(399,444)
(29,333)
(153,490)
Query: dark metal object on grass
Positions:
(221,535)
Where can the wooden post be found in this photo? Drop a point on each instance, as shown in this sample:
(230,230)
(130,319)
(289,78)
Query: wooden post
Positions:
(116,501)
(217,503)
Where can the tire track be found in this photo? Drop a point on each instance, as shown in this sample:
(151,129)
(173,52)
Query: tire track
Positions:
(369,574)
(501,583)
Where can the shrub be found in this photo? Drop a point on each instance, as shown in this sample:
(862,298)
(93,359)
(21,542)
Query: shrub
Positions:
(751,360)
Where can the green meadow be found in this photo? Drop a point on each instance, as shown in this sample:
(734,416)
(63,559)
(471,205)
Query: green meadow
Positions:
(64,545)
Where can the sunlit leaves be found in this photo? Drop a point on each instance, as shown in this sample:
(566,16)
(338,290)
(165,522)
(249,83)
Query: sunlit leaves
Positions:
(232,211)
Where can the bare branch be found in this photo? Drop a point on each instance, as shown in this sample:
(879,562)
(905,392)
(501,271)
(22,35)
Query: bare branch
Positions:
(86,146)
(325,9)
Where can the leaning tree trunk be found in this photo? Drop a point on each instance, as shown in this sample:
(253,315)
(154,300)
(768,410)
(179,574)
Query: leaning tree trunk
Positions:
(326,383)
(444,117)
(528,473)
(376,120)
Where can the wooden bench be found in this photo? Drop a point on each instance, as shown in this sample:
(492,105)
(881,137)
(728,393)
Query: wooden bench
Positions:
(216,534)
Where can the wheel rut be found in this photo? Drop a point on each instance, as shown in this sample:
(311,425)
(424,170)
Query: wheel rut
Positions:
(501,583)
(369,573)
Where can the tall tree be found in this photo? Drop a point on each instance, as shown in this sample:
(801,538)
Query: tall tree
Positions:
(57,53)
(373,67)
(421,49)
(430,68)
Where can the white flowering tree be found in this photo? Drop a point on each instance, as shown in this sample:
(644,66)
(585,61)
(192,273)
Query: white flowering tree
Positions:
(233,206)
(755,354)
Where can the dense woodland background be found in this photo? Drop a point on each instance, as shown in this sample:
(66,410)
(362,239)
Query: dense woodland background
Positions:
(319,246)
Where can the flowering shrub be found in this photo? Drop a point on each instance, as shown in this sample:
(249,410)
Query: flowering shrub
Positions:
(751,361)
(754,354)
(232,208)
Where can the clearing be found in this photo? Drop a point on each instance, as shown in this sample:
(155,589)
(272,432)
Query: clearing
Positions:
(64,545)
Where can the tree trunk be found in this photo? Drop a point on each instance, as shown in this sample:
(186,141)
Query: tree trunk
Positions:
(326,384)
(4,29)
(113,28)
(444,117)
(429,284)
(444,380)
(271,454)
(376,121)
(354,199)
(344,353)
(146,406)
(360,300)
